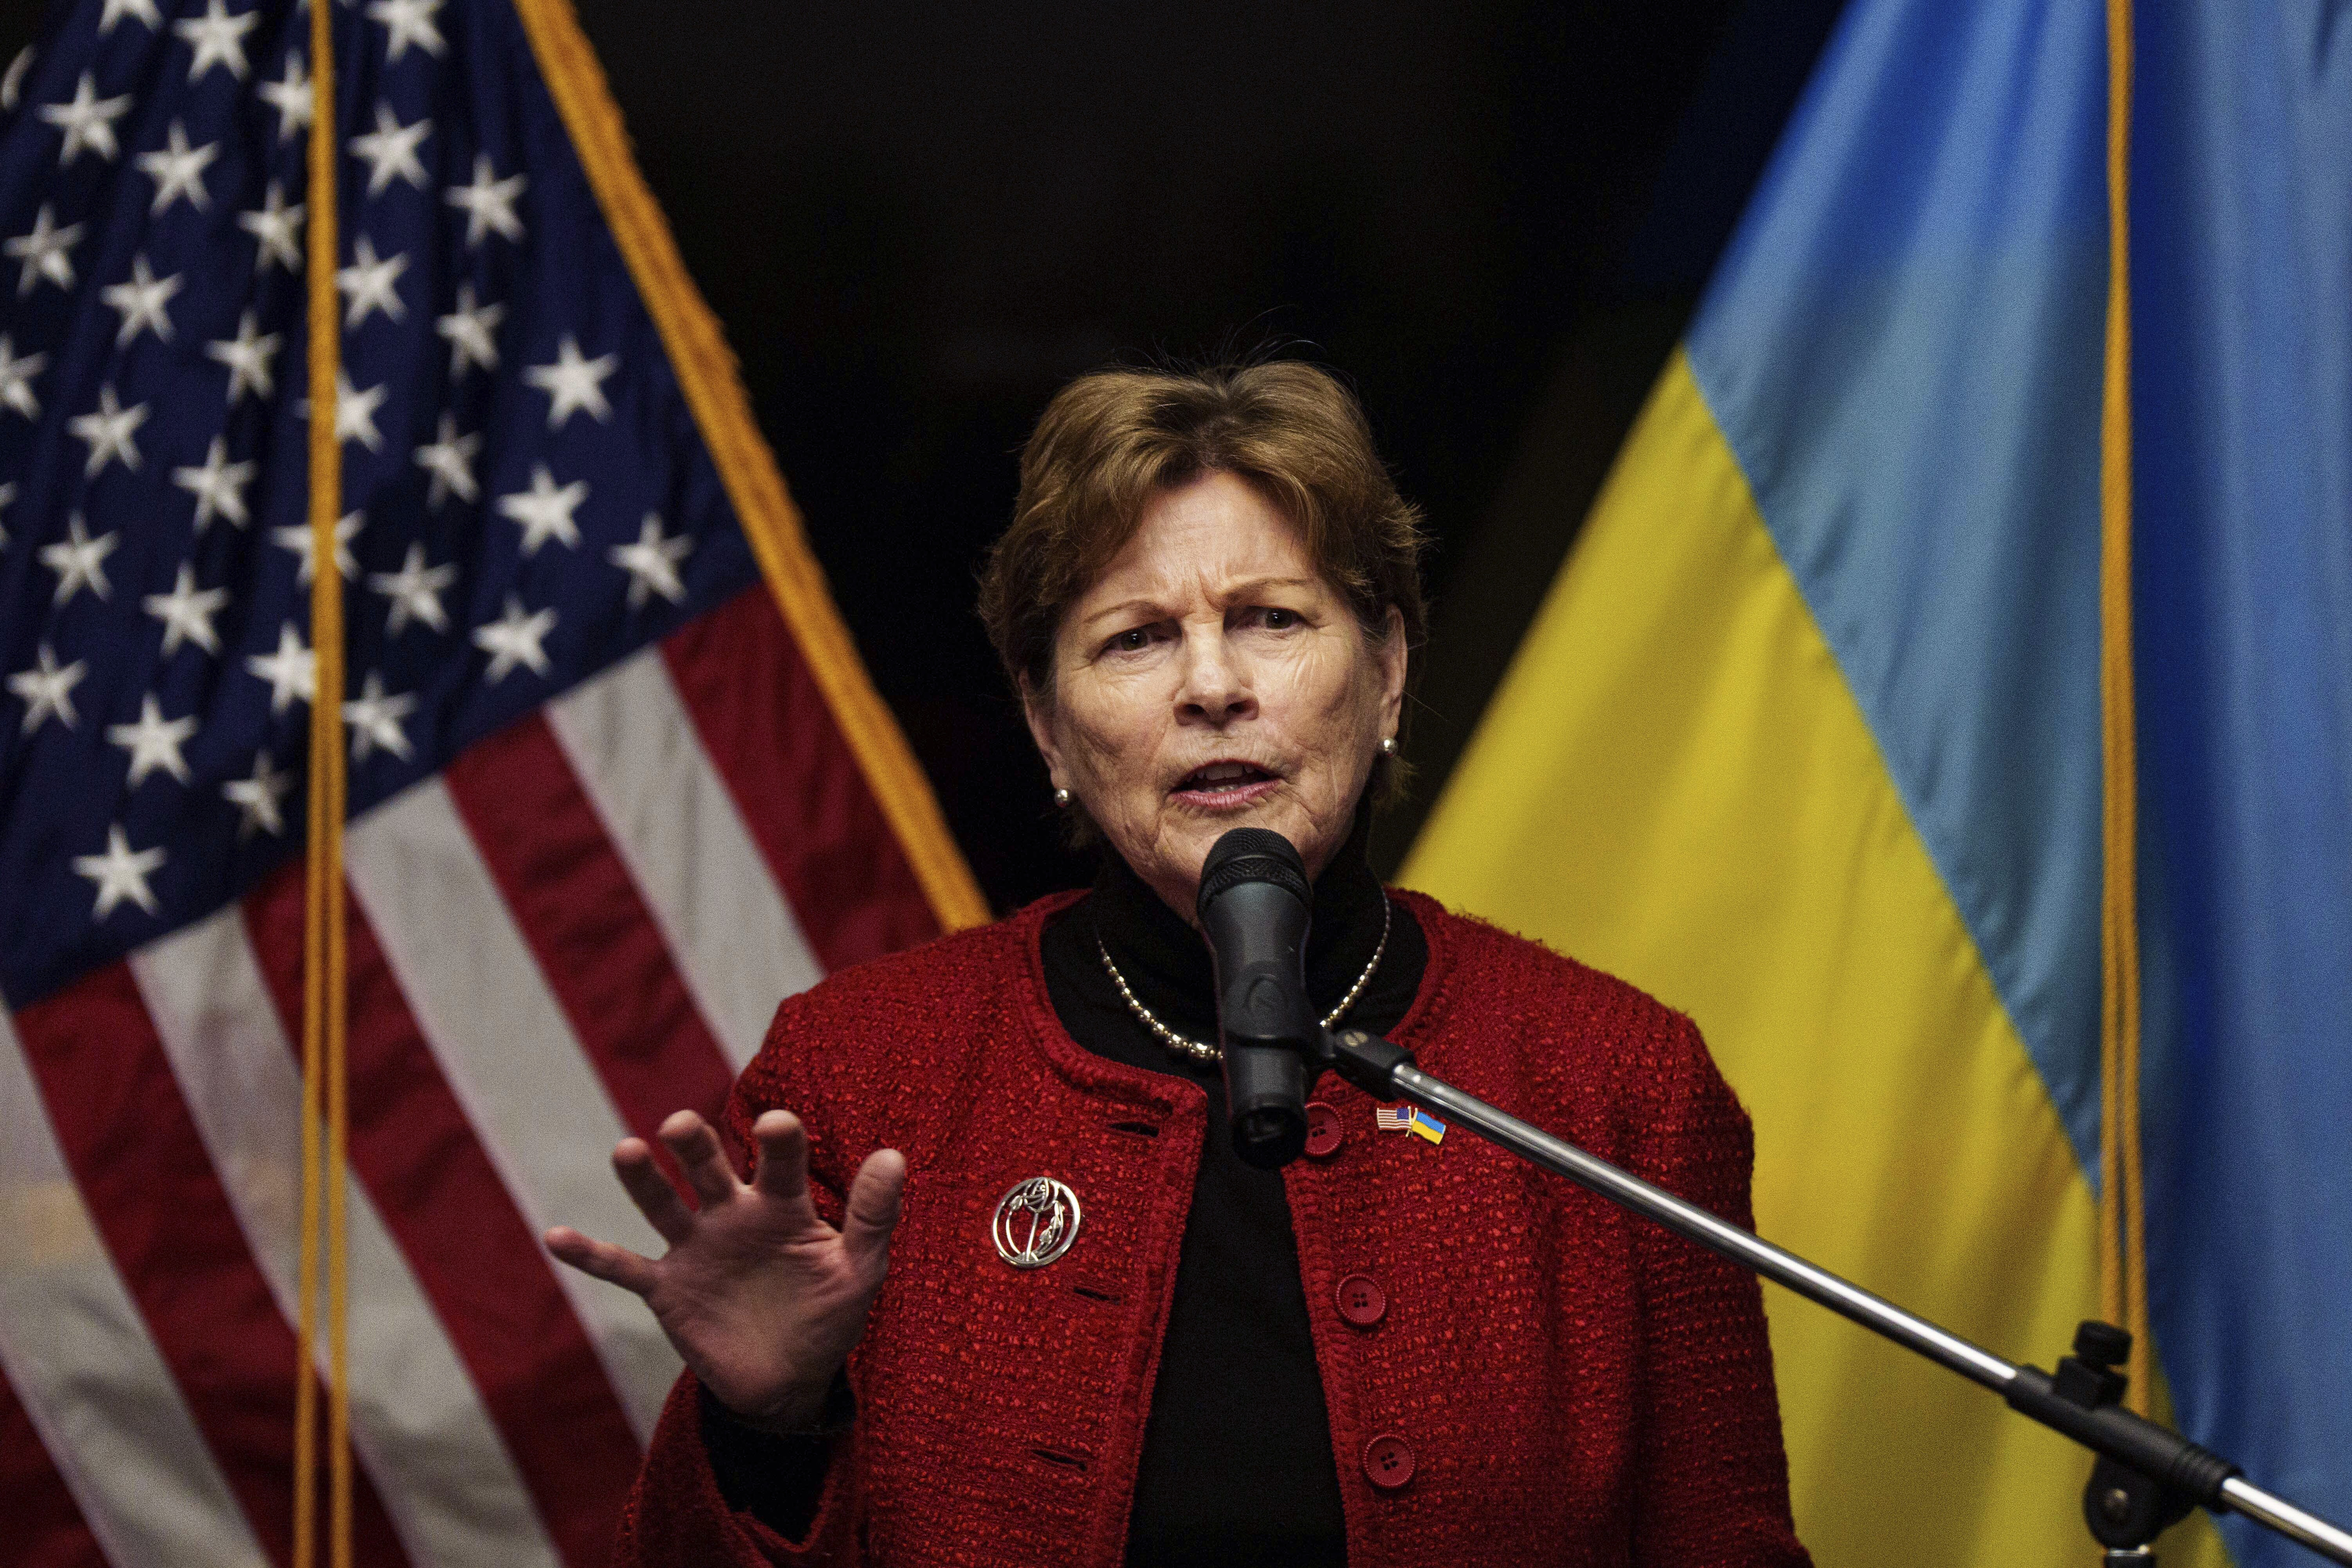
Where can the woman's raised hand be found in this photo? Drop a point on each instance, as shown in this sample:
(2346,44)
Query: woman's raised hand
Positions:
(761,1298)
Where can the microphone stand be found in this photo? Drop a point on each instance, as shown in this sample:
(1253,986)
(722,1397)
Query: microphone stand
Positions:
(2148,1476)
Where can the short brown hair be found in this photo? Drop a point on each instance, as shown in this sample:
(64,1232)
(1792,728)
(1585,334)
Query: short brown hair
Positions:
(1111,440)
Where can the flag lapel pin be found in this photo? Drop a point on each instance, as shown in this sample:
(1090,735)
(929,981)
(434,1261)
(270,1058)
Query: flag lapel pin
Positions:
(1408,1119)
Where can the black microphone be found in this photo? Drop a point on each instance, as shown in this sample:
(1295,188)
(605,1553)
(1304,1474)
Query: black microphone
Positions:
(1253,910)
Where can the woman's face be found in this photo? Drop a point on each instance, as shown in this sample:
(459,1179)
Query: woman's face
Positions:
(1210,679)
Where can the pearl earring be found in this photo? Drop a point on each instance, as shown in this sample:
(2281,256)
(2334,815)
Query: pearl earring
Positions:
(1388,745)
(1061,800)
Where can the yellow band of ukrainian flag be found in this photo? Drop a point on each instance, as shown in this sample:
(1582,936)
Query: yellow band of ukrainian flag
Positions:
(1806,740)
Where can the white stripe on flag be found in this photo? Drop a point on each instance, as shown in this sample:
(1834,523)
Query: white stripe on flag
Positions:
(417,1421)
(532,1096)
(75,1346)
(669,815)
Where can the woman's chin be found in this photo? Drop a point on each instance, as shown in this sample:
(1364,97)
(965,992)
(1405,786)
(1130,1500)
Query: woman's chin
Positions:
(1198,824)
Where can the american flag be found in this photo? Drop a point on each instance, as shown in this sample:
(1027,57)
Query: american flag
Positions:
(611,798)
(1393,1118)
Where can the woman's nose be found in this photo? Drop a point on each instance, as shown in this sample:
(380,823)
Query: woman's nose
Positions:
(1214,686)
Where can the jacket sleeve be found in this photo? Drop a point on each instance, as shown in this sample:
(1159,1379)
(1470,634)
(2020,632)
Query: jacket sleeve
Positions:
(1711,1478)
(678,1515)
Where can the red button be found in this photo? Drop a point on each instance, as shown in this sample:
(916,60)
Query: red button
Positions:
(1323,1133)
(1361,1301)
(1387,1459)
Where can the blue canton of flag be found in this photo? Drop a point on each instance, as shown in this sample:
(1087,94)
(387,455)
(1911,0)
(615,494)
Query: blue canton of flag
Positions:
(526,499)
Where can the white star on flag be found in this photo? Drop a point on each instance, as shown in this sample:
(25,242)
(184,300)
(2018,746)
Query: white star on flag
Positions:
(573,382)
(652,562)
(186,612)
(121,873)
(375,720)
(79,561)
(544,510)
(368,283)
(112,431)
(407,22)
(88,120)
(47,252)
(488,203)
(142,302)
(219,486)
(278,227)
(259,797)
(390,150)
(16,373)
(291,97)
(305,544)
(292,670)
(179,171)
(515,638)
(449,458)
(355,412)
(153,741)
(414,591)
(218,39)
(142,11)
(247,356)
(48,688)
(467,328)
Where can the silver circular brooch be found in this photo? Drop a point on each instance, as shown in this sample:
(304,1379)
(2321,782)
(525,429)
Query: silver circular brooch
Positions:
(1035,1222)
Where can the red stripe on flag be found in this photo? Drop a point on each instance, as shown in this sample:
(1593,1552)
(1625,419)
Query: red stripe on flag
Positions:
(586,923)
(140,1164)
(472,1251)
(44,1527)
(769,731)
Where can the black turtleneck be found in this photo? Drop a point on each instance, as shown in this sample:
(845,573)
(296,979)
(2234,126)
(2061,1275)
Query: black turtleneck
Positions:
(1237,1468)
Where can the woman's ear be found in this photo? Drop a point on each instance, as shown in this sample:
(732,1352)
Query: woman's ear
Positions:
(1040,731)
(1392,653)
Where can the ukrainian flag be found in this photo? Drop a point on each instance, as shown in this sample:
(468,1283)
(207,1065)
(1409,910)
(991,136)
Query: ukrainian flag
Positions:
(1997,831)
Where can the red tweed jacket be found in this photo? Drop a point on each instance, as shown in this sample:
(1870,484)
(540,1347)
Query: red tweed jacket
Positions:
(1549,1379)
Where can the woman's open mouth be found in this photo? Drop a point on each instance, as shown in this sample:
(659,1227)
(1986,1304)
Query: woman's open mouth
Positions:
(1225,785)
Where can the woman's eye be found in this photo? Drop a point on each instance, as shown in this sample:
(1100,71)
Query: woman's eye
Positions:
(1278,620)
(1133,640)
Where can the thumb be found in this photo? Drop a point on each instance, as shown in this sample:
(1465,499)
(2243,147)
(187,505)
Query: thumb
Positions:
(872,1212)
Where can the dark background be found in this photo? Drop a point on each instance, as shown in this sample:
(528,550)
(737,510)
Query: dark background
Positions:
(918,220)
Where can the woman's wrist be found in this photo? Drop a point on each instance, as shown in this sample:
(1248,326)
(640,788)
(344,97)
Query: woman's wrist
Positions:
(815,1410)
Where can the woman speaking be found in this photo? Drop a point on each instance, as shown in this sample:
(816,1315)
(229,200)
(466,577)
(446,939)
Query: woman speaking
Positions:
(997,1288)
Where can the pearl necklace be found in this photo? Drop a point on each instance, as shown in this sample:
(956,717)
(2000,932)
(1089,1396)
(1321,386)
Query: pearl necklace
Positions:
(1208,1053)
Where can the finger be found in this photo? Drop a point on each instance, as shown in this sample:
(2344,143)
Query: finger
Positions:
(872,1212)
(614,1265)
(651,1192)
(701,1156)
(783,1170)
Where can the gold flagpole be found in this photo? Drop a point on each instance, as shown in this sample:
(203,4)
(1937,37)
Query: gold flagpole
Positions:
(324,980)
(2122,1255)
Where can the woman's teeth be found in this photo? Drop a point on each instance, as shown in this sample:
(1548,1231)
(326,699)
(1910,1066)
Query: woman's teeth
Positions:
(1223,775)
